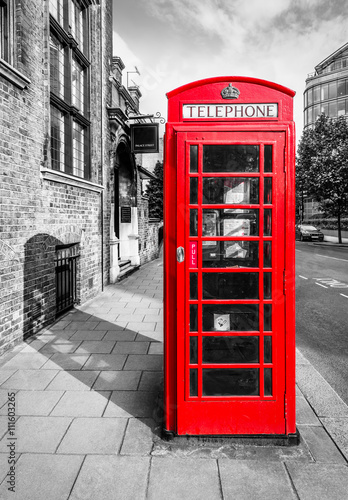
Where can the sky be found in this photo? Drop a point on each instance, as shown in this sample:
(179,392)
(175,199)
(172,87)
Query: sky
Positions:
(174,42)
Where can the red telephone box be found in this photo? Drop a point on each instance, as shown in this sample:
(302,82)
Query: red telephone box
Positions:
(229,259)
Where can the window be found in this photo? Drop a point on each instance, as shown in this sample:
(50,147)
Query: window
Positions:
(78,150)
(69,69)
(57,139)
(7,30)
(332,90)
(56,9)
(78,85)
(341,107)
(324,92)
(341,88)
(316,95)
(56,66)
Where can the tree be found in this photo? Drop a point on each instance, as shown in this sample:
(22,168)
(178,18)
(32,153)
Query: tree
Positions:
(154,191)
(322,165)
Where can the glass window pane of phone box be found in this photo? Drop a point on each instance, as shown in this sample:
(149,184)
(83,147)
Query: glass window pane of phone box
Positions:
(230,190)
(230,158)
(230,222)
(230,254)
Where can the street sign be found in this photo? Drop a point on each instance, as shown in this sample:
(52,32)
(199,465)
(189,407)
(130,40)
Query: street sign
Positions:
(144,138)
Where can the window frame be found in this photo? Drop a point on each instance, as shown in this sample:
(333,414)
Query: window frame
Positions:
(76,110)
(7,30)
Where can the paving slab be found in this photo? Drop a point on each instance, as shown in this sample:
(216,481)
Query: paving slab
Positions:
(117,381)
(154,335)
(130,317)
(321,446)
(112,478)
(35,346)
(151,362)
(4,468)
(338,430)
(138,439)
(131,404)
(34,474)
(156,348)
(65,362)
(60,325)
(26,361)
(3,426)
(105,362)
(120,335)
(319,393)
(33,380)
(38,434)
(4,400)
(108,326)
(34,403)
(89,335)
(95,347)
(84,325)
(131,347)
(94,436)
(81,404)
(247,480)
(59,336)
(150,381)
(6,374)
(72,380)
(304,412)
(63,348)
(141,327)
(319,481)
(78,315)
(183,479)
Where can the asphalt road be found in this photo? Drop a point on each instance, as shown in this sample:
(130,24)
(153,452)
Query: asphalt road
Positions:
(322,311)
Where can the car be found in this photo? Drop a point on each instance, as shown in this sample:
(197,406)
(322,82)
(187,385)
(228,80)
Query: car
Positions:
(308,232)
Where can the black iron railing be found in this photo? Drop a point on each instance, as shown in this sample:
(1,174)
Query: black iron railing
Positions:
(66,277)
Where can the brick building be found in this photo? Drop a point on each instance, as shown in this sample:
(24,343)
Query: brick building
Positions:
(59,158)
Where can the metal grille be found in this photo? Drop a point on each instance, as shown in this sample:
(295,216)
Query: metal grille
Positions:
(66,272)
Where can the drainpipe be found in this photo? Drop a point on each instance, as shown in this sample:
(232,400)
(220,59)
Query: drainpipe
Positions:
(102,143)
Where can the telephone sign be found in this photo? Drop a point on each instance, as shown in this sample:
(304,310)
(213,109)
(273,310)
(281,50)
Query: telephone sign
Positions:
(229,259)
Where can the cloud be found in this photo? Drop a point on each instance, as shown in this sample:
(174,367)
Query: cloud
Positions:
(122,50)
(277,40)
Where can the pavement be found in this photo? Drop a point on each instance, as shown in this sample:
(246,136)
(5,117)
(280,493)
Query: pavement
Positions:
(80,417)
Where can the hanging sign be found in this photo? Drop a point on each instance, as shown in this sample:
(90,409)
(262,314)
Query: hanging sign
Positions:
(225,111)
(144,137)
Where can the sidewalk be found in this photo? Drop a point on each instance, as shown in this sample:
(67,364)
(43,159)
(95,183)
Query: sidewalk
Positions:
(89,419)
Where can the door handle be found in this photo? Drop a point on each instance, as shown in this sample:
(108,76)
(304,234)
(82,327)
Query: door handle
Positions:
(180,254)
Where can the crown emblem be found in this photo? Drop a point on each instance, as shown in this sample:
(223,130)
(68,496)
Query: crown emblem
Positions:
(230,92)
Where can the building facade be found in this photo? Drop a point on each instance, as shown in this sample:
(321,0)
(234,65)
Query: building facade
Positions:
(326,92)
(327,88)
(63,164)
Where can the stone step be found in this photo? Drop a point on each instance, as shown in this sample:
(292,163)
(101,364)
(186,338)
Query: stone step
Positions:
(124,263)
(126,270)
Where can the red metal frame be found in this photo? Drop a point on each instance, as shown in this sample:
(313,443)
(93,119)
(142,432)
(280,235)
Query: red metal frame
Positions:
(216,415)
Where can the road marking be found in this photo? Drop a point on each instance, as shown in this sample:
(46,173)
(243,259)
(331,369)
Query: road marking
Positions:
(321,285)
(303,277)
(331,282)
(328,257)
(346,296)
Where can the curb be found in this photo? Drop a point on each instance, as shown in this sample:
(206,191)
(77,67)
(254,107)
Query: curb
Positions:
(328,406)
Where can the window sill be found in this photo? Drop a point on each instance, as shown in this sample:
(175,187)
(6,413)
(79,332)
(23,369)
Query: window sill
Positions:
(56,176)
(13,75)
